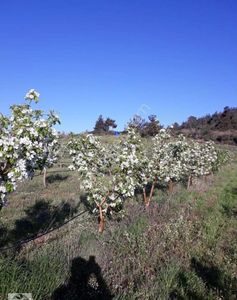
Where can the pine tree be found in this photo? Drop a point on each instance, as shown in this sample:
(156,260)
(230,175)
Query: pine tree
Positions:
(99,125)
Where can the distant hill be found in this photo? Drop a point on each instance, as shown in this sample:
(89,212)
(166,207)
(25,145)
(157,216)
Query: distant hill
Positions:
(220,126)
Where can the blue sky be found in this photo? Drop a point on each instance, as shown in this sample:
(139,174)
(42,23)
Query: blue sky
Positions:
(172,58)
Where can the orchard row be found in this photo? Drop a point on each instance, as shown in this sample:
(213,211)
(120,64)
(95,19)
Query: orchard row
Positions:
(109,173)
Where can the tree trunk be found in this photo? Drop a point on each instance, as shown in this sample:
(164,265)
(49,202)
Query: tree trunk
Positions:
(144,196)
(44,177)
(101,220)
(151,194)
(190,181)
(170,186)
(101,216)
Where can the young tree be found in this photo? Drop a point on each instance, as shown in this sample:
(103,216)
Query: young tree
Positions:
(50,147)
(22,143)
(105,173)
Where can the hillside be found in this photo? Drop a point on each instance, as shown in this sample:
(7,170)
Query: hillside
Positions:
(220,126)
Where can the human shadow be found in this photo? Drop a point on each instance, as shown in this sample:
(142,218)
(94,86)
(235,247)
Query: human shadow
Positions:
(40,217)
(85,283)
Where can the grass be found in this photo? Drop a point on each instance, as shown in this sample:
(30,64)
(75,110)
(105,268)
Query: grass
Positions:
(183,247)
(39,276)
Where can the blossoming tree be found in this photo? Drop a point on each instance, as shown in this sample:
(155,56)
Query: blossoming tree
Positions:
(25,137)
(105,173)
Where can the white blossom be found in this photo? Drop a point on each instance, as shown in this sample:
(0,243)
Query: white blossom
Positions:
(24,146)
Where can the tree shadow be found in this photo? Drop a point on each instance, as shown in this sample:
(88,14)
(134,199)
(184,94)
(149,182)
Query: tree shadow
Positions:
(215,278)
(3,235)
(184,182)
(234,191)
(41,217)
(138,193)
(56,177)
(204,275)
(90,207)
(188,293)
(52,172)
(85,283)
(228,210)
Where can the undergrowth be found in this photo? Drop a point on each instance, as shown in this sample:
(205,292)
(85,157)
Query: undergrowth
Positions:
(183,247)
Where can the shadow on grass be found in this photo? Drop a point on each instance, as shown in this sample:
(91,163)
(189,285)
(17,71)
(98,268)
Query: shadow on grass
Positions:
(85,283)
(39,218)
(204,279)
(234,191)
(215,279)
(52,172)
(56,177)
(89,206)
(184,291)
(229,204)
(158,187)
(3,235)
(229,211)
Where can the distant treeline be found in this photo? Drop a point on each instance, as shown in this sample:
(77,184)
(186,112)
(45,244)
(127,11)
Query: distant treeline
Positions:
(220,126)
(148,127)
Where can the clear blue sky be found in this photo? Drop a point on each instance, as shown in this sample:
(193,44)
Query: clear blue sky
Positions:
(174,58)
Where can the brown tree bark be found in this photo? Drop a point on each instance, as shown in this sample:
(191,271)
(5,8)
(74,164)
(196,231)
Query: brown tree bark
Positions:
(101,220)
(44,177)
(170,186)
(144,195)
(101,215)
(190,181)
(151,194)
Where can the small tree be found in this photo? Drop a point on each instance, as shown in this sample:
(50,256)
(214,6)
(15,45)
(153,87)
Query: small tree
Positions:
(22,143)
(99,125)
(105,173)
(152,127)
(109,123)
(103,126)
(137,122)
